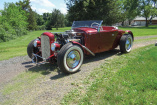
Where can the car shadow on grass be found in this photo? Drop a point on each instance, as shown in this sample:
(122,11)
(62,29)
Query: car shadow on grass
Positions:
(101,56)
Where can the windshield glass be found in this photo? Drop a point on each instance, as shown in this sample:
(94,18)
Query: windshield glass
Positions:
(91,23)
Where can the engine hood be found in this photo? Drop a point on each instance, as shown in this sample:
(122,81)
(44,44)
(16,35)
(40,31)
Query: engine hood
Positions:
(85,29)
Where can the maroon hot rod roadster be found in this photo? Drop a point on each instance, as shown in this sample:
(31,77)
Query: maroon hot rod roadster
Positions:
(85,38)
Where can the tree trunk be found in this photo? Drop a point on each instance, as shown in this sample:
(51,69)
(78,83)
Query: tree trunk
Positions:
(150,21)
(122,23)
(146,22)
(129,22)
(56,27)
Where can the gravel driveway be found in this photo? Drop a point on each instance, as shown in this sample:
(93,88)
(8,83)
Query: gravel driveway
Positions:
(55,84)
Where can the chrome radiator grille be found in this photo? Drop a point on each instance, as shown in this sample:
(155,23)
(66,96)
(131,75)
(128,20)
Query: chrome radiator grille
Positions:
(45,46)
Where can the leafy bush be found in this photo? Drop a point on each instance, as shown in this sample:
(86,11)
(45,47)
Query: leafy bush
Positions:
(13,22)
(43,27)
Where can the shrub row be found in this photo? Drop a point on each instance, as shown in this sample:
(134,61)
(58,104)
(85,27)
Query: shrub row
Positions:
(7,32)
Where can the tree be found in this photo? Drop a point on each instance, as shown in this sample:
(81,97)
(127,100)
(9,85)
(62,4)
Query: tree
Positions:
(39,19)
(32,20)
(47,20)
(25,5)
(131,9)
(55,19)
(66,20)
(13,22)
(154,11)
(147,9)
(105,10)
(46,16)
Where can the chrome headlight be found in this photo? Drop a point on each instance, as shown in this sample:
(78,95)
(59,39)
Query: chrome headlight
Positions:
(53,46)
(35,43)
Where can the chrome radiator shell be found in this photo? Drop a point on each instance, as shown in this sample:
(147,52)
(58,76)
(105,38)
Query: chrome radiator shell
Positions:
(45,46)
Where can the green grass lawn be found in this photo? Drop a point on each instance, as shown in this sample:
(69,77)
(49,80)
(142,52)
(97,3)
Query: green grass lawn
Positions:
(142,31)
(128,79)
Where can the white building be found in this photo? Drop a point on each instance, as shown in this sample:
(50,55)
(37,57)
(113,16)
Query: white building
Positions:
(141,21)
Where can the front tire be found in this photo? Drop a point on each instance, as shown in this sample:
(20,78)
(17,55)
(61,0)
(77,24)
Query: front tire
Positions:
(31,49)
(126,43)
(70,58)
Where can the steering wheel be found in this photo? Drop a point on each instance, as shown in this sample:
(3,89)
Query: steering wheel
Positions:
(94,23)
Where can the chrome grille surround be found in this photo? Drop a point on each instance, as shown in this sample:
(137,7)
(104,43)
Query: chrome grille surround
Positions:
(45,46)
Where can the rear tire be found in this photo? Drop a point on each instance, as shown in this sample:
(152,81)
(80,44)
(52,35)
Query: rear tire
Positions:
(70,58)
(126,43)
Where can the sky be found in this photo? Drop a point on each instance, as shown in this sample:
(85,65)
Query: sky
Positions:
(41,6)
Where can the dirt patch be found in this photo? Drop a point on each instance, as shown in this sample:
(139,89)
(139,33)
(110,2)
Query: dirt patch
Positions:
(55,84)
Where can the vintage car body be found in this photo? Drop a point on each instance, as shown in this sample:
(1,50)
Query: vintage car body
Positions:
(85,38)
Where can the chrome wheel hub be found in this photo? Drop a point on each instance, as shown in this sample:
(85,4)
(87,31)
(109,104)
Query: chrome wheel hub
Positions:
(73,59)
(128,43)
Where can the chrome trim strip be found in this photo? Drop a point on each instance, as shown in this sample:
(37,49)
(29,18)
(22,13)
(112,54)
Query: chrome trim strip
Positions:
(88,50)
